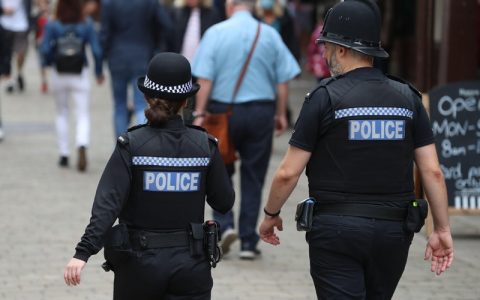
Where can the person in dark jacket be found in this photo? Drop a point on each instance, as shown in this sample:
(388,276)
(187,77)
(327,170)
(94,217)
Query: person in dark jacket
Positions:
(358,135)
(192,18)
(131,33)
(156,183)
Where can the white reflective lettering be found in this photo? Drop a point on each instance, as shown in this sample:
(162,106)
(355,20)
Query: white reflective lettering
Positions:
(399,129)
(149,179)
(185,182)
(366,130)
(354,128)
(161,181)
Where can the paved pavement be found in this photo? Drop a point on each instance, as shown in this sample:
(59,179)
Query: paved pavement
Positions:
(44,210)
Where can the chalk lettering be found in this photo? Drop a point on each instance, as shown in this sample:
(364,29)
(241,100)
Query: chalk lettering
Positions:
(450,107)
(468,93)
(454,172)
(450,129)
(448,150)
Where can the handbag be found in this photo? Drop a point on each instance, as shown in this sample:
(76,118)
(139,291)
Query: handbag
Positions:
(217,123)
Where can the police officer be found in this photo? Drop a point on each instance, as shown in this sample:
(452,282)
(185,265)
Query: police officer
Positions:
(358,134)
(155,183)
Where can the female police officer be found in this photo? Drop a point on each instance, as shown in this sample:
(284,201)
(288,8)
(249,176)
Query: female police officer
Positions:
(155,183)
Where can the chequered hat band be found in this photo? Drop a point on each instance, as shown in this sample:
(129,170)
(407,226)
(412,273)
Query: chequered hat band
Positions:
(175,89)
(373,111)
(170,161)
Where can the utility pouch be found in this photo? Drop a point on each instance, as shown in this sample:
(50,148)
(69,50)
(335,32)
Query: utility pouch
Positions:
(212,249)
(117,248)
(196,239)
(417,211)
(304,214)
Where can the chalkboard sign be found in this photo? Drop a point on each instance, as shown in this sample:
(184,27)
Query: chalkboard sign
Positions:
(455,117)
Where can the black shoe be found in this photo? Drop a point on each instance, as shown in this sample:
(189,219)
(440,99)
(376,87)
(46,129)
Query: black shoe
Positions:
(10,88)
(21,83)
(63,162)
(82,159)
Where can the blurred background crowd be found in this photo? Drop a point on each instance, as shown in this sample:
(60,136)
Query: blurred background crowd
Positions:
(430,43)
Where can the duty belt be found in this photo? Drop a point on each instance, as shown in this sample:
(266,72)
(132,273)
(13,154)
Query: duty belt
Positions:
(151,240)
(361,210)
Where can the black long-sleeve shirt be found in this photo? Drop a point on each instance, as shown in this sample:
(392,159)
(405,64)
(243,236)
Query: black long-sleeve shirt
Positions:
(113,193)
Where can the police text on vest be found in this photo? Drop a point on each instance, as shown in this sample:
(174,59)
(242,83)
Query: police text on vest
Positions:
(171,181)
(376,129)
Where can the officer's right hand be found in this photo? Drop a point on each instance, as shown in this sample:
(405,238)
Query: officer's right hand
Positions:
(267,229)
(72,271)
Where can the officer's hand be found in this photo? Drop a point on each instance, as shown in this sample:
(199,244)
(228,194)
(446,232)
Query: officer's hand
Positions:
(267,229)
(281,124)
(440,250)
(72,271)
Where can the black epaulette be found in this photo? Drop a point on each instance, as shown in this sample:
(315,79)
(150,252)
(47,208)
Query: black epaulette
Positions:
(323,83)
(136,127)
(123,139)
(196,127)
(210,137)
(412,88)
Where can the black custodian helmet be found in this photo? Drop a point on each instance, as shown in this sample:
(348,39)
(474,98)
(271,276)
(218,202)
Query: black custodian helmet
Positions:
(354,24)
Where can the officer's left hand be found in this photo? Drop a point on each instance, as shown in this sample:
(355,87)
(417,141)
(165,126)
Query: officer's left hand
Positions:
(267,229)
(72,271)
(281,124)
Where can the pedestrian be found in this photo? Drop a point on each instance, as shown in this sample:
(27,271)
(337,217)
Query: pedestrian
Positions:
(131,33)
(4,65)
(155,183)
(257,110)
(41,19)
(358,135)
(316,64)
(16,23)
(70,74)
(276,14)
(192,19)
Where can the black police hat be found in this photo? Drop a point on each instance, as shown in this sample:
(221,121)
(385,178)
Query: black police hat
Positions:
(354,24)
(169,77)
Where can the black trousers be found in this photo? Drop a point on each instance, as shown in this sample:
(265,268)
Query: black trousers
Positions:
(165,273)
(356,257)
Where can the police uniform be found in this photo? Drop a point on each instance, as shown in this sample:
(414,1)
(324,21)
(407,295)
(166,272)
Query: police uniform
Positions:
(361,128)
(156,182)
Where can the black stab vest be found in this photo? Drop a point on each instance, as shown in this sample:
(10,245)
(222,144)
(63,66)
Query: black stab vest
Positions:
(169,169)
(367,152)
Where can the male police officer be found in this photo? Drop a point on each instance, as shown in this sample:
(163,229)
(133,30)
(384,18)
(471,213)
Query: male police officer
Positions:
(358,134)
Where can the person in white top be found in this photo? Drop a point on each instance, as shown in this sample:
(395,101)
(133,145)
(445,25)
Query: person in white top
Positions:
(15,23)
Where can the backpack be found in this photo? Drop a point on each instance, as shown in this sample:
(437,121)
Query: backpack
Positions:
(69,53)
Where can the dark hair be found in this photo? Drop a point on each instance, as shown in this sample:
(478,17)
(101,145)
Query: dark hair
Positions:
(70,11)
(160,110)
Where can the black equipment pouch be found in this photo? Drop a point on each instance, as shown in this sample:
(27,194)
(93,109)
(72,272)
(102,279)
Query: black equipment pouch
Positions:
(304,214)
(417,211)
(117,247)
(213,250)
(196,239)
